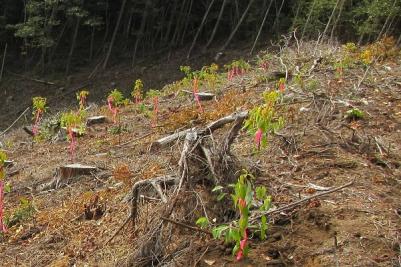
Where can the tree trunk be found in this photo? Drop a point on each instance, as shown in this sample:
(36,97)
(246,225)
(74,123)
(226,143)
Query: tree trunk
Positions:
(330,19)
(141,31)
(307,20)
(296,16)
(237,26)
(278,17)
(59,37)
(113,38)
(178,26)
(3,61)
(216,26)
(170,23)
(91,44)
(186,23)
(337,19)
(200,28)
(387,21)
(261,27)
(74,41)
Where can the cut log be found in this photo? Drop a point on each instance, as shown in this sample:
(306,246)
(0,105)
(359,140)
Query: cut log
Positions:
(203,96)
(74,130)
(76,169)
(211,127)
(95,120)
(170,138)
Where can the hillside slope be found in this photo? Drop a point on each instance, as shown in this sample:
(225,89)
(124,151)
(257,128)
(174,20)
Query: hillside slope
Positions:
(320,147)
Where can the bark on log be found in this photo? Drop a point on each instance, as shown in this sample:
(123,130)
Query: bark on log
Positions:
(202,95)
(211,127)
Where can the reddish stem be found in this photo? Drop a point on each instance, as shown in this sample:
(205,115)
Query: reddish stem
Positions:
(196,96)
(2,225)
(114,110)
(82,101)
(240,254)
(73,142)
(35,127)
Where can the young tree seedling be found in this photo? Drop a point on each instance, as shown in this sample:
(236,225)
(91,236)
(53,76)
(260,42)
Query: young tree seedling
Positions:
(193,78)
(281,85)
(243,198)
(74,123)
(264,120)
(115,100)
(264,61)
(195,90)
(137,91)
(39,108)
(210,76)
(82,97)
(237,68)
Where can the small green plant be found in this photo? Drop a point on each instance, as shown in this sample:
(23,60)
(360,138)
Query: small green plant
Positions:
(195,91)
(154,95)
(264,119)
(74,122)
(264,61)
(281,85)
(202,222)
(244,197)
(339,68)
(347,60)
(82,97)
(3,158)
(299,80)
(312,85)
(195,79)
(114,100)
(39,108)
(355,114)
(209,76)
(24,211)
(137,91)
(189,76)
(237,68)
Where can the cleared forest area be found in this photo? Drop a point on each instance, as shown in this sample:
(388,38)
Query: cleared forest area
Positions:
(323,170)
(200,133)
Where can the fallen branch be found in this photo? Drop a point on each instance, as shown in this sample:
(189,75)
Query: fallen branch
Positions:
(190,139)
(299,202)
(12,124)
(202,95)
(211,127)
(32,79)
(170,138)
(186,226)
